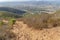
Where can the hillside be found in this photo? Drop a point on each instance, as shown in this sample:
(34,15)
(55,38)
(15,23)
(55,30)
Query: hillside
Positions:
(21,31)
(30,20)
(8,9)
(5,14)
(31,27)
(25,33)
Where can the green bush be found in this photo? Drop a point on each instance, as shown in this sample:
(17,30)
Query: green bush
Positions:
(1,23)
(12,22)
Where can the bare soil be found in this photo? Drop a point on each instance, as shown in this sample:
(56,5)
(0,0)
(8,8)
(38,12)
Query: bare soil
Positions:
(23,32)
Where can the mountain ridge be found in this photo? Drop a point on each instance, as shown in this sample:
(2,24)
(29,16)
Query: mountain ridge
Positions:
(8,9)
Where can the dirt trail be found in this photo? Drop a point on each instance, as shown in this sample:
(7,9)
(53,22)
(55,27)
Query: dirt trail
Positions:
(23,32)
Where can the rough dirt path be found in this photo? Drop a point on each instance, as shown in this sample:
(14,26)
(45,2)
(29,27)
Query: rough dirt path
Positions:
(23,32)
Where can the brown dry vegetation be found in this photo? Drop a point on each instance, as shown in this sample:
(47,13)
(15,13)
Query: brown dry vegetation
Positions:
(25,28)
(21,31)
(43,20)
(37,21)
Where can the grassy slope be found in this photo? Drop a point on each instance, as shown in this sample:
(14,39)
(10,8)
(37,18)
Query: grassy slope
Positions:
(8,14)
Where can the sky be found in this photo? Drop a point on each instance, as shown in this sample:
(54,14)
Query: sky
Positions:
(26,0)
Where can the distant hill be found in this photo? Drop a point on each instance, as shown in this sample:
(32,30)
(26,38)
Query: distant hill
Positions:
(36,6)
(12,10)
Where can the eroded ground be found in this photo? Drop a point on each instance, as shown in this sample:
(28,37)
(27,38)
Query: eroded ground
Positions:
(23,32)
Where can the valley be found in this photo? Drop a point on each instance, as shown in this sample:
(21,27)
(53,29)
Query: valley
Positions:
(30,20)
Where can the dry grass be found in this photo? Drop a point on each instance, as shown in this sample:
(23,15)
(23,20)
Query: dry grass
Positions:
(37,21)
(41,21)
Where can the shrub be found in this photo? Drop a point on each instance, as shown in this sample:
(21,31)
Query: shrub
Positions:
(43,20)
(37,21)
(1,23)
(11,22)
(54,22)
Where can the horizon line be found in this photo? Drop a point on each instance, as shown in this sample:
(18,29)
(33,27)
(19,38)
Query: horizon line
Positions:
(25,1)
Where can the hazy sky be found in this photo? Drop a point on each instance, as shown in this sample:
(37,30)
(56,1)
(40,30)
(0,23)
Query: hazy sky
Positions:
(26,0)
